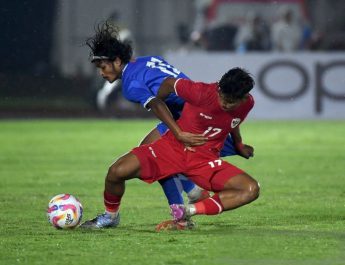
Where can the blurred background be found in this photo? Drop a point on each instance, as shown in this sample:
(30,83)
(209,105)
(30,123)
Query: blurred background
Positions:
(294,48)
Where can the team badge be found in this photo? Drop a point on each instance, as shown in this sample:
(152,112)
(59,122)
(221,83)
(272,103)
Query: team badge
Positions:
(235,122)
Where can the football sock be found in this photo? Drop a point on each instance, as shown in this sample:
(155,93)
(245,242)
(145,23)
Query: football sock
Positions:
(111,202)
(209,206)
(172,189)
(187,185)
(195,193)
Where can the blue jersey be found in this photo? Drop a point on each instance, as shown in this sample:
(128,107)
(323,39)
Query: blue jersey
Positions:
(142,79)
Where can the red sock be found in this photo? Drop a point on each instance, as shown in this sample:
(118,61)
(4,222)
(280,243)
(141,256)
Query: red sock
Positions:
(209,206)
(111,202)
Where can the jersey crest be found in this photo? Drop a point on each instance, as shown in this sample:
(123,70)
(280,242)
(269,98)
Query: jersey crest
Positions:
(235,122)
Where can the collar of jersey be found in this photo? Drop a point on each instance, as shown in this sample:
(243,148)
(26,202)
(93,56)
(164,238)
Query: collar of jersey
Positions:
(124,68)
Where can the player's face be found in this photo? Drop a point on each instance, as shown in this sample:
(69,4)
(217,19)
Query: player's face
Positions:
(228,104)
(109,70)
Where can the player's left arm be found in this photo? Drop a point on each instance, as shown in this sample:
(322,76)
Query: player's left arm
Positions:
(242,149)
(139,92)
(192,92)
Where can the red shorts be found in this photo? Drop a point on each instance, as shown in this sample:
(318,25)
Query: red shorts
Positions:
(164,158)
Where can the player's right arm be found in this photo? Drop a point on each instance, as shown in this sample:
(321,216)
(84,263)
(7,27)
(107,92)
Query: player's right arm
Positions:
(192,92)
(138,92)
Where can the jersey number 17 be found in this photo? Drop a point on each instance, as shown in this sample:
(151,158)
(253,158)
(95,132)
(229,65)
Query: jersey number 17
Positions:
(164,67)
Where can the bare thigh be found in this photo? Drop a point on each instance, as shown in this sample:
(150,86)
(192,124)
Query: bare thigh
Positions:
(240,182)
(124,168)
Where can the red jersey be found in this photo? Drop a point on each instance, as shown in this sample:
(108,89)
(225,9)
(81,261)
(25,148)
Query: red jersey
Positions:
(202,113)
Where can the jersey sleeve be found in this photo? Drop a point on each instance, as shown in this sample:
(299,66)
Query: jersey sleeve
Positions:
(191,92)
(138,92)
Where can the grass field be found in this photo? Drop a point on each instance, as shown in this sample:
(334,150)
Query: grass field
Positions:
(298,219)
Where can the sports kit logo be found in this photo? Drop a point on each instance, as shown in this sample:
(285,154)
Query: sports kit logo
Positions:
(152,152)
(69,219)
(205,116)
(235,122)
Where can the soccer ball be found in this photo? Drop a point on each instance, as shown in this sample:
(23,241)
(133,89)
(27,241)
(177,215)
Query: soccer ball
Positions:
(64,211)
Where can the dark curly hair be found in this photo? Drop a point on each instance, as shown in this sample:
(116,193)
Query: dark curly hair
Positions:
(236,83)
(105,44)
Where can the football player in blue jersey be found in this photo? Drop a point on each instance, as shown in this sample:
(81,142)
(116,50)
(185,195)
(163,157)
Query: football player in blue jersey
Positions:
(142,78)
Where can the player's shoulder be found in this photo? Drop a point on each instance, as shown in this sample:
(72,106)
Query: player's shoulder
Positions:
(197,86)
(199,91)
(250,100)
(206,86)
(143,63)
(136,67)
(248,104)
(149,58)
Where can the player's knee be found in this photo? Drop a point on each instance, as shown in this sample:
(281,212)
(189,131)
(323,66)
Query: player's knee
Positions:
(115,172)
(252,191)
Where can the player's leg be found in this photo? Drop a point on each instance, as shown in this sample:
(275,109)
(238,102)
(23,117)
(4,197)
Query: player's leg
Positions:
(194,192)
(238,191)
(172,190)
(125,168)
(173,186)
(232,186)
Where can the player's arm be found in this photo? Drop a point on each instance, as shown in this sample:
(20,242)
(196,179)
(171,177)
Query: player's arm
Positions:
(162,112)
(167,87)
(243,150)
(189,139)
(192,92)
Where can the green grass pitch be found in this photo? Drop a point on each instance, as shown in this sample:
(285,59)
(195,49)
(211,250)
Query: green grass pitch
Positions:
(298,219)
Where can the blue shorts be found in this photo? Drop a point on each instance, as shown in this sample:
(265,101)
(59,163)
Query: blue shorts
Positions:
(228,148)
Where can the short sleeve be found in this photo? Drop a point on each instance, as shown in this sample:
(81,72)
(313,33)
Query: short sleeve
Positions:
(191,92)
(138,92)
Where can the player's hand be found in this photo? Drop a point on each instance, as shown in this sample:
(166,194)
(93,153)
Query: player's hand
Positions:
(190,139)
(245,151)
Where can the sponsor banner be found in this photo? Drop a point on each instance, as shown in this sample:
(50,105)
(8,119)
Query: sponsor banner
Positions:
(288,86)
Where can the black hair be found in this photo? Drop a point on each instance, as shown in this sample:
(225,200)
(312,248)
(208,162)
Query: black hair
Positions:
(236,83)
(105,44)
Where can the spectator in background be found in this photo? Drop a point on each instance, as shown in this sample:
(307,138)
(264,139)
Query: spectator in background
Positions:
(200,24)
(208,35)
(286,34)
(220,37)
(312,38)
(253,35)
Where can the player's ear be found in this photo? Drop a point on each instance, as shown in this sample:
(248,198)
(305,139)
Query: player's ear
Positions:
(117,61)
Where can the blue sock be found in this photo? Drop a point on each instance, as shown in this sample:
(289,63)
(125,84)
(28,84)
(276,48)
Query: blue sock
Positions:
(187,184)
(172,189)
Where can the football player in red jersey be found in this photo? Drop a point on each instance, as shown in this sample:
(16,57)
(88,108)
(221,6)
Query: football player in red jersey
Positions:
(214,110)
